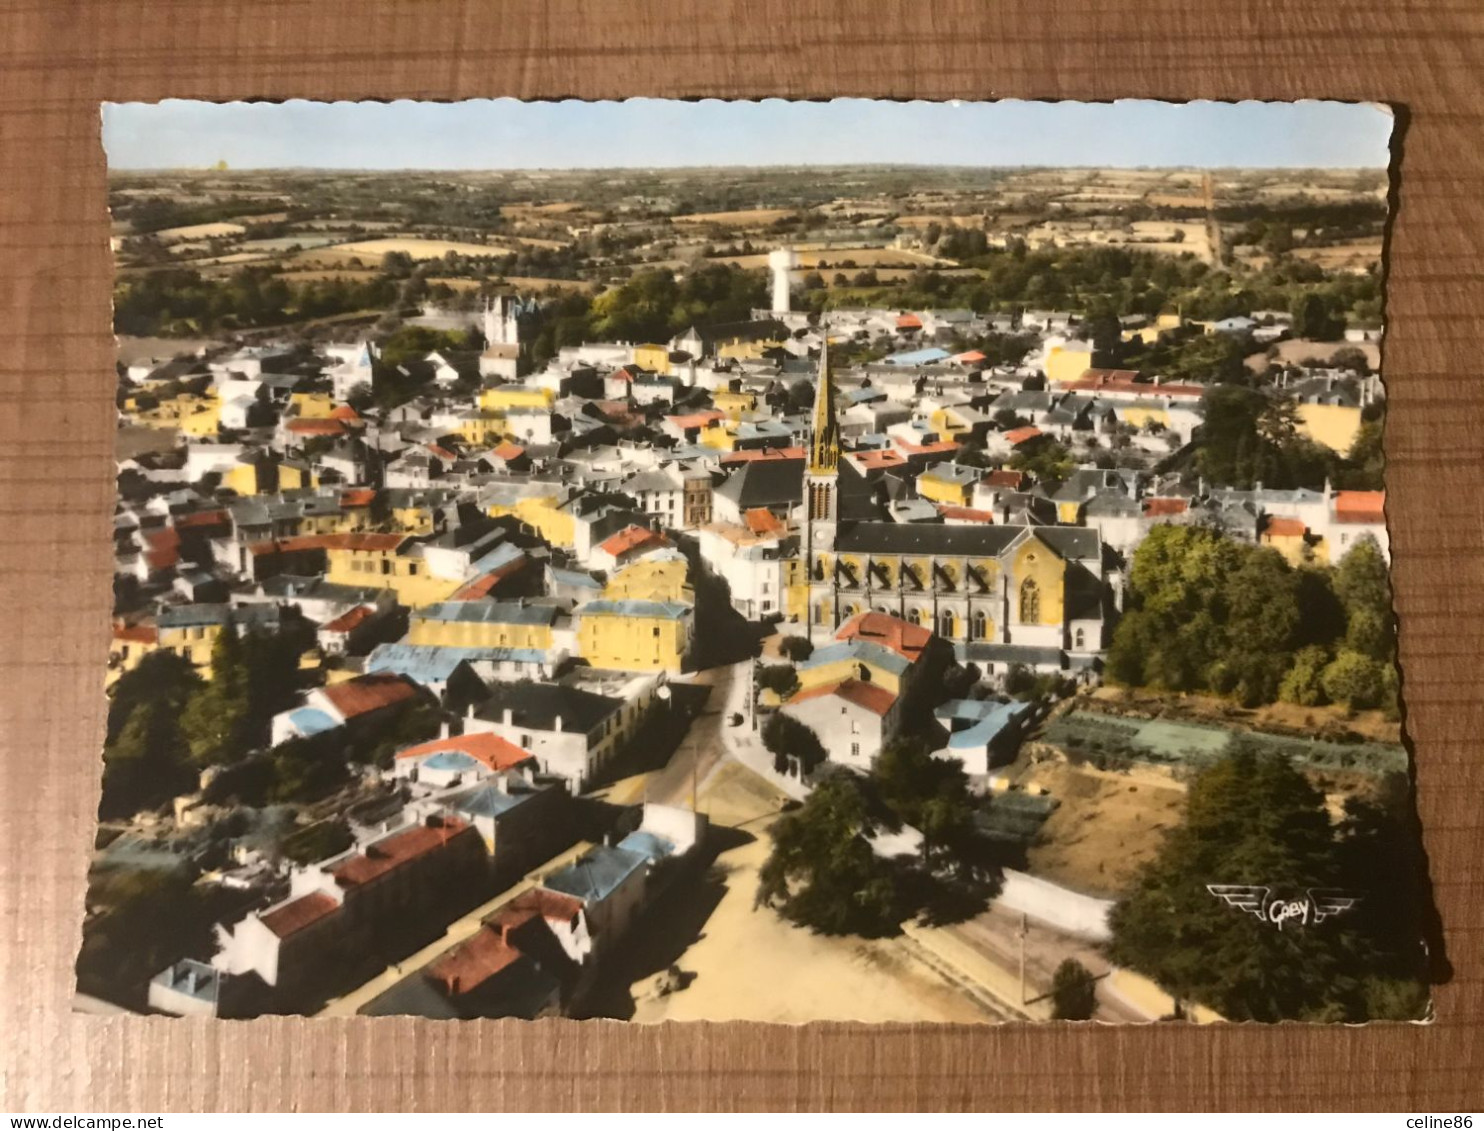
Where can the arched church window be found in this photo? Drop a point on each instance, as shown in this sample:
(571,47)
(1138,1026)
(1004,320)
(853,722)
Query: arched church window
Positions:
(1079,639)
(980,625)
(914,616)
(1030,601)
(945,624)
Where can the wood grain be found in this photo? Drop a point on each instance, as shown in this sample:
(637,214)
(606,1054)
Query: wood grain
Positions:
(58,59)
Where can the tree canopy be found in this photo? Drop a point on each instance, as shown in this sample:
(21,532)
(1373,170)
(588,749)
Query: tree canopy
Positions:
(1254,820)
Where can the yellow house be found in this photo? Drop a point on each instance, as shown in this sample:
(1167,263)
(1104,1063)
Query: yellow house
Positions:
(742,349)
(505,397)
(130,644)
(546,515)
(720,435)
(856,659)
(295,476)
(484,624)
(654,358)
(376,561)
(251,477)
(191,631)
(652,579)
(949,483)
(484,428)
(1333,425)
(734,404)
(1137,416)
(1067,362)
(634,635)
(313,406)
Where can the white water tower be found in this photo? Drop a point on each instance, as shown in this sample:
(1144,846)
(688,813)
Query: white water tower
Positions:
(781,261)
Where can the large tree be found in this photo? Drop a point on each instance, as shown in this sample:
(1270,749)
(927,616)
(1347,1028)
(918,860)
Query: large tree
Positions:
(1254,820)
(822,872)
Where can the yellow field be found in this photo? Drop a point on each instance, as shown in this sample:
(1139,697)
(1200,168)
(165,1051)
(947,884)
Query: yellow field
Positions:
(418,249)
(829,259)
(200,232)
(751,217)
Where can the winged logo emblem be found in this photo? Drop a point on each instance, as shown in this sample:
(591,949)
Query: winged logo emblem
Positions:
(1317,905)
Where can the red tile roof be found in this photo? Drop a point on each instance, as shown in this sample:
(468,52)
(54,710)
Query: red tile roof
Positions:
(964,514)
(927,449)
(358,497)
(507,450)
(747,455)
(554,905)
(161,547)
(387,855)
(1004,477)
(760,520)
(696,419)
(200,518)
(968,357)
(366,693)
(631,538)
(441,452)
(489,749)
(1017,436)
(474,961)
(1165,508)
(137,633)
(485,583)
(871,458)
(1284,527)
(299,913)
(872,696)
(1114,382)
(908,322)
(906,639)
(315,427)
(346,413)
(1360,506)
(348,621)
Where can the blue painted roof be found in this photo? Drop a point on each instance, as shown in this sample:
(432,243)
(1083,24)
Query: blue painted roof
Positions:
(574,577)
(452,760)
(501,555)
(665,610)
(434,663)
(486,801)
(311,720)
(917,357)
(974,723)
(489,612)
(862,650)
(598,874)
(647,844)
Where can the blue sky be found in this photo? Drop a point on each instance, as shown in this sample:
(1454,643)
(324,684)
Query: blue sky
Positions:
(508,134)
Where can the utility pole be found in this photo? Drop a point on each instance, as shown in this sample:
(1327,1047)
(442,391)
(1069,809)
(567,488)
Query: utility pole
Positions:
(1021,934)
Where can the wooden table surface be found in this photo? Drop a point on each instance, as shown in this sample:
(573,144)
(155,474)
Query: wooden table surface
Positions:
(60,58)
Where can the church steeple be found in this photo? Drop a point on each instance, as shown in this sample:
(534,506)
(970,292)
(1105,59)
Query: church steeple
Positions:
(824,430)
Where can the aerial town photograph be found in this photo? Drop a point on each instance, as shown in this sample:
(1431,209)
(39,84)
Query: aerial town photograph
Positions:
(845,561)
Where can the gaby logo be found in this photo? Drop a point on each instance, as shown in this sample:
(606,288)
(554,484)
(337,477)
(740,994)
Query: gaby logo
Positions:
(1314,908)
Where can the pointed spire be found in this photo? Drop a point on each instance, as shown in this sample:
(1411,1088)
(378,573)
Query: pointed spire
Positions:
(824,431)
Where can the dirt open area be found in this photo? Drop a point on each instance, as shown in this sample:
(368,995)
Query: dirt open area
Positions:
(749,964)
(200,232)
(1354,255)
(1298,351)
(416,248)
(1107,825)
(743,218)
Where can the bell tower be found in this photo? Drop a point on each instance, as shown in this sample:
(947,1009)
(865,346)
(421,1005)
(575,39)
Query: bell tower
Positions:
(822,471)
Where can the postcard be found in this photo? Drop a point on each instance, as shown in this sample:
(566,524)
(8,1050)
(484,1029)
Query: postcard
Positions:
(848,561)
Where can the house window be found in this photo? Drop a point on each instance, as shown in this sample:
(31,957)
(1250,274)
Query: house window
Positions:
(1079,640)
(855,749)
(412,569)
(980,625)
(1030,601)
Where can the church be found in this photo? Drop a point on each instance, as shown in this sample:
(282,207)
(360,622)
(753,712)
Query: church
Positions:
(1000,594)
